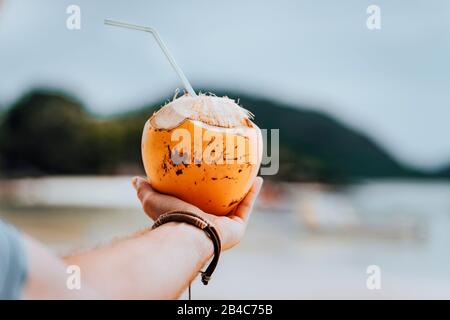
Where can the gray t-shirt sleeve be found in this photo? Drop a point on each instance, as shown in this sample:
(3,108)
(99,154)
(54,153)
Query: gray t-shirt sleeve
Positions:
(13,266)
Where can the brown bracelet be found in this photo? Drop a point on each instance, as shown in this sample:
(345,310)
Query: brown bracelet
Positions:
(201,223)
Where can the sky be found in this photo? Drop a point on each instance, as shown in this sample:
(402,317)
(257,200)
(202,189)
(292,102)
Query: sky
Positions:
(392,84)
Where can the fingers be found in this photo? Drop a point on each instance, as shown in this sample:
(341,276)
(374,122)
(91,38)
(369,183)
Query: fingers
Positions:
(245,207)
(150,199)
(155,203)
(142,187)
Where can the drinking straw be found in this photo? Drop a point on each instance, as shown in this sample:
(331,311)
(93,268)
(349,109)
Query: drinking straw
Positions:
(163,47)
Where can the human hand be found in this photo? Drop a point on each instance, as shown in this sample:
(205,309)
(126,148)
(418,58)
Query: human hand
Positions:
(231,228)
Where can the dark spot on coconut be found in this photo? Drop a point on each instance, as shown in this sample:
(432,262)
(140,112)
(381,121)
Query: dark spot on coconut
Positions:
(240,170)
(195,182)
(211,141)
(213,178)
(179,171)
(229,178)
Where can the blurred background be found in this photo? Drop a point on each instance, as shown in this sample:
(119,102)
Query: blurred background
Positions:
(363,118)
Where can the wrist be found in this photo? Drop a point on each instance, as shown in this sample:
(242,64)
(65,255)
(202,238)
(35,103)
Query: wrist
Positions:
(198,222)
(194,237)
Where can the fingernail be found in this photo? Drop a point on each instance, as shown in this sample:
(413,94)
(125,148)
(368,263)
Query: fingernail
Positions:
(134,182)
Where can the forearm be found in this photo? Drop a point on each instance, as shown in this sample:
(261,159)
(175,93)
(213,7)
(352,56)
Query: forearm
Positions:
(47,276)
(156,264)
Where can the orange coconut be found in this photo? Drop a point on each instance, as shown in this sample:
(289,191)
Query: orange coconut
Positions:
(204,150)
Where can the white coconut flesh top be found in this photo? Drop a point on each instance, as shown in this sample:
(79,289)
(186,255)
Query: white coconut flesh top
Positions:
(208,111)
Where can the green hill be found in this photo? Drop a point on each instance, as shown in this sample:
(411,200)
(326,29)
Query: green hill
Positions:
(318,147)
(443,173)
(52,133)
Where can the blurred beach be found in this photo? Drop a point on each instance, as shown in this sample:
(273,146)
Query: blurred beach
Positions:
(304,241)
